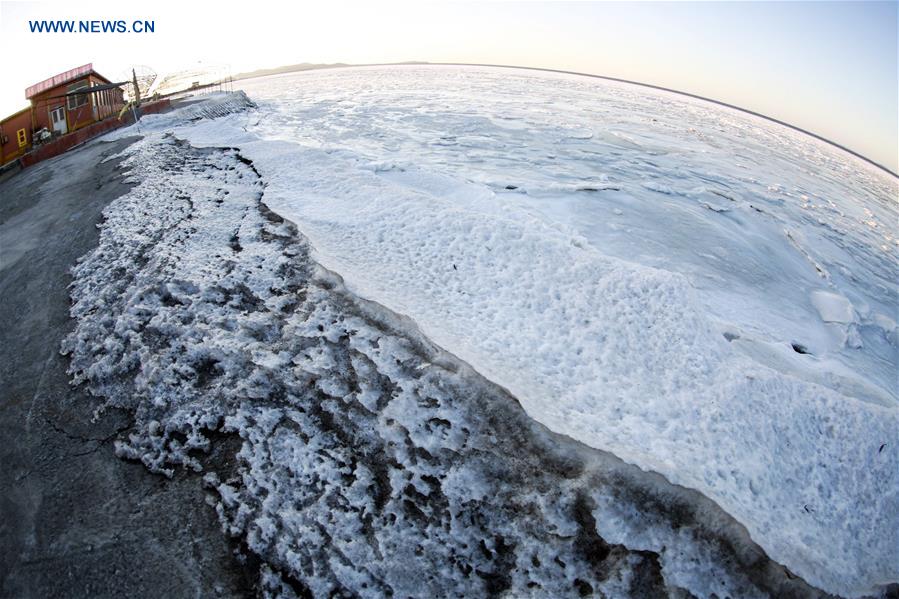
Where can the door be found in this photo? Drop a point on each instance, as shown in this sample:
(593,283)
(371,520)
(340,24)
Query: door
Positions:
(58,119)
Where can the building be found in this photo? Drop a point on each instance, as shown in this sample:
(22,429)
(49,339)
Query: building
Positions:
(73,99)
(61,104)
(15,135)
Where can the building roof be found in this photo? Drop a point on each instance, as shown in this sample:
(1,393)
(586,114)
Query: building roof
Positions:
(62,79)
(15,114)
(89,90)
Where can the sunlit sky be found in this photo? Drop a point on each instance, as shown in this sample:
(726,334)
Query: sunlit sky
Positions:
(829,67)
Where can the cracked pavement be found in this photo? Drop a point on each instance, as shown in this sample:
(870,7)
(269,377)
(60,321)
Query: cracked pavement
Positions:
(77,521)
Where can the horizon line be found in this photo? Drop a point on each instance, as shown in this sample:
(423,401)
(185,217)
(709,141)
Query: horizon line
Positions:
(595,76)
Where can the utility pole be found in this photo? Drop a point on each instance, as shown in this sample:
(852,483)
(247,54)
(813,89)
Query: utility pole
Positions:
(136,90)
(135,104)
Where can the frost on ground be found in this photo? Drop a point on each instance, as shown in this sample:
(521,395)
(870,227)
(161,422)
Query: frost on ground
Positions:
(348,454)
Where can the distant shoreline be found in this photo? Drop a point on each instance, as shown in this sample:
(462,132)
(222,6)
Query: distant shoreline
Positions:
(316,67)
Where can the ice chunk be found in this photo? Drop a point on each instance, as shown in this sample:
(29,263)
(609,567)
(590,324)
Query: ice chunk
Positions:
(833,307)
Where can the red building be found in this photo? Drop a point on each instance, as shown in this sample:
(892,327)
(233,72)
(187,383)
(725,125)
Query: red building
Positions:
(15,135)
(61,105)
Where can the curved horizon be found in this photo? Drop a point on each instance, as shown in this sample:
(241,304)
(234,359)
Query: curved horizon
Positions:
(825,69)
(594,76)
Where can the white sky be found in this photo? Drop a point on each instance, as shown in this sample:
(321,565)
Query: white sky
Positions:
(826,67)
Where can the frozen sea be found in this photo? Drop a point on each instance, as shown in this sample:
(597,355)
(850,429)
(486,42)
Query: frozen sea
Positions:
(701,292)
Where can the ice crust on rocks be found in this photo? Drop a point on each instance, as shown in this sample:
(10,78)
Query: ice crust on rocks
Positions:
(343,450)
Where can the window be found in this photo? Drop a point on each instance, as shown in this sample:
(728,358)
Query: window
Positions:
(22,137)
(76,100)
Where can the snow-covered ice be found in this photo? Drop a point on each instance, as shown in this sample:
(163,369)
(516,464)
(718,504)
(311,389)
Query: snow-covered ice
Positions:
(700,292)
(343,451)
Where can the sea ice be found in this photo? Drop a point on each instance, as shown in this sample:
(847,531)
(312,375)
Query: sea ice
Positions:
(479,208)
(343,450)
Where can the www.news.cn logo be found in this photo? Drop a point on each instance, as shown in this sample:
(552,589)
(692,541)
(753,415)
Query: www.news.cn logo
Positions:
(120,26)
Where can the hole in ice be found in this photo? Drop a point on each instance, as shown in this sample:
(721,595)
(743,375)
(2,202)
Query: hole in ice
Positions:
(585,589)
(799,348)
(206,369)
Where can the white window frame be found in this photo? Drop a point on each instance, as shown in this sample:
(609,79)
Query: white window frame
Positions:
(61,107)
